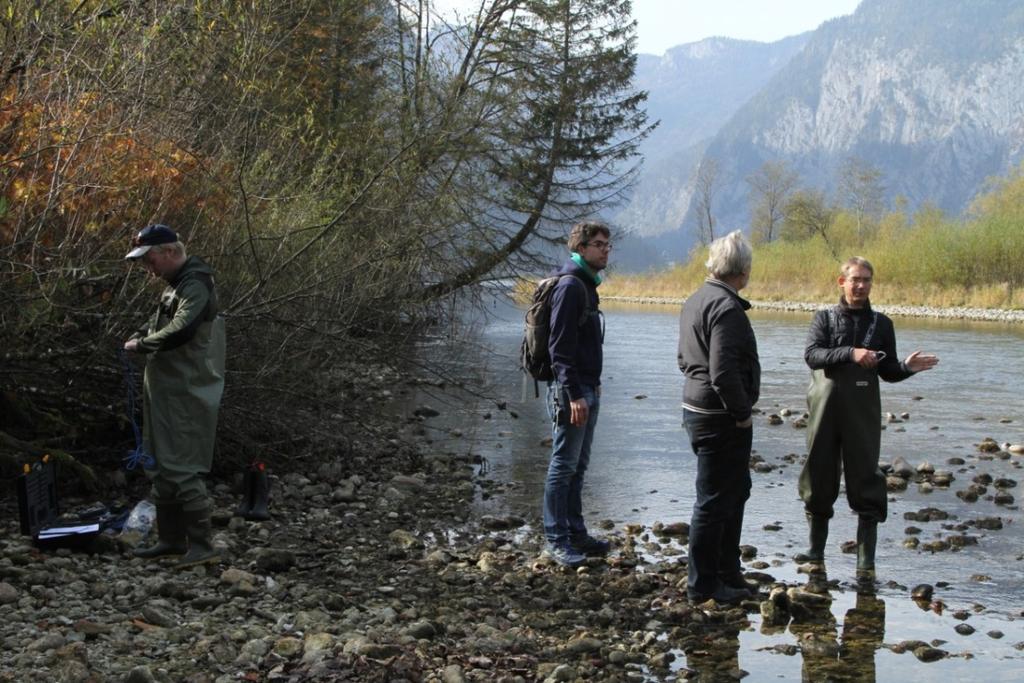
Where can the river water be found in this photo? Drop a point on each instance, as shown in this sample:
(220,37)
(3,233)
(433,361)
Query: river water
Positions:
(642,472)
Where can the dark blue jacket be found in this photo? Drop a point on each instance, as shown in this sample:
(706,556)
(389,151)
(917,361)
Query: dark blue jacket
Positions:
(576,337)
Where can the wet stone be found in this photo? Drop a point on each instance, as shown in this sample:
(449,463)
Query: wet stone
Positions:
(1003,498)
(962,540)
(927,653)
(988,523)
(901,468)
(672,530)
(964,629)
(895,483)
(929,514)
(989,445)
(922,591)
(935,546)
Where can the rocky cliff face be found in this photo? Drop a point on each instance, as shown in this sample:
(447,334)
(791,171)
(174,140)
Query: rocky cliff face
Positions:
(928,93)
(693,90)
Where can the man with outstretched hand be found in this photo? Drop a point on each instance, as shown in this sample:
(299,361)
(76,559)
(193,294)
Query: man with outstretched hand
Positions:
(849,347)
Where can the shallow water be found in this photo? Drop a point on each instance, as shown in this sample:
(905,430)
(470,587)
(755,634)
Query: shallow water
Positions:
(642,472)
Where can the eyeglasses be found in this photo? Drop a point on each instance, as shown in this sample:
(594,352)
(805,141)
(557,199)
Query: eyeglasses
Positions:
(603,246)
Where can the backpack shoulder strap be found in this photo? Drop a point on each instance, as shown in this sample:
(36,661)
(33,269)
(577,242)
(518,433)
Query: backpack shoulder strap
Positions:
(586,297)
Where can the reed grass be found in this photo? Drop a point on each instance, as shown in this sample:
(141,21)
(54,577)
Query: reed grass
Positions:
(922,260)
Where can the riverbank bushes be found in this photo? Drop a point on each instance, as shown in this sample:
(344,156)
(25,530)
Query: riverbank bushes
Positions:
(347,168)
(924,259)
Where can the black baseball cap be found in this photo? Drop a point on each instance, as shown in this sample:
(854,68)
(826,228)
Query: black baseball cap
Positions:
(151,236)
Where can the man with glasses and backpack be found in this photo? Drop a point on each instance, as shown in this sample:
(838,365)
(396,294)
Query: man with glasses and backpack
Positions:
(574,345)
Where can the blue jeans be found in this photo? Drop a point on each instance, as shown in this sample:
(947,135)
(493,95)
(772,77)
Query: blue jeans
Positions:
(570,455)
(723,487)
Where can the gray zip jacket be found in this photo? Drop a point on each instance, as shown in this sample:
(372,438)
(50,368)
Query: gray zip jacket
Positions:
(718,352)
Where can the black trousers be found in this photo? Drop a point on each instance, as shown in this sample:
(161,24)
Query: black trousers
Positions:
(723,487)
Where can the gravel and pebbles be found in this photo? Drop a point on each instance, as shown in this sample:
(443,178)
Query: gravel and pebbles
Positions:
(386,575)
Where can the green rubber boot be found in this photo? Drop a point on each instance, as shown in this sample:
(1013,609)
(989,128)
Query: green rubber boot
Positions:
(170,529)
(867,538)
(818,537)
(200,549)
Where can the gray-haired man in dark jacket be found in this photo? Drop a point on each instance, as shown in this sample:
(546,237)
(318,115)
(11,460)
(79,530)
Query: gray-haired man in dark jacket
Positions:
(718,355)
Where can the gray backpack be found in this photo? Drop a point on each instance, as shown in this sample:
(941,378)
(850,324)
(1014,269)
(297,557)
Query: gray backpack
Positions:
(534,358)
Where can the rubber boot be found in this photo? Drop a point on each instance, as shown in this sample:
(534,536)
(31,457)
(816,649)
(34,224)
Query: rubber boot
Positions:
(200,550)
(248,482)
(170,529)
(818,536)
(867,538)
(260,496)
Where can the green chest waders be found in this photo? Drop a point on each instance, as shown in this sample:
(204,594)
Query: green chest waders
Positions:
(844,438)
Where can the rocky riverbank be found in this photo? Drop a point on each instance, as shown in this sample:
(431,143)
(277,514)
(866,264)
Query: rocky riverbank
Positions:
(365,578)
(951,313)
(386,575)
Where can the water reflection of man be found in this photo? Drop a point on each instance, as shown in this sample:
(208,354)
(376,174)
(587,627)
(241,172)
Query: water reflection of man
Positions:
(713,657)
(827,658)
(849,347)
(863,634)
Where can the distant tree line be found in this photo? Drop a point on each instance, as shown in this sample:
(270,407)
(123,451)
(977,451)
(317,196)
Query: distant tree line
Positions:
(923,257)
(781,208)
(347,167)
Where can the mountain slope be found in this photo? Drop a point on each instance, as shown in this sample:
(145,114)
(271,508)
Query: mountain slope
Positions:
(931,98)
(693,89)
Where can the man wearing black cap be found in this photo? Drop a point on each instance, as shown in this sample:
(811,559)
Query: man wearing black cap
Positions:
(184,380)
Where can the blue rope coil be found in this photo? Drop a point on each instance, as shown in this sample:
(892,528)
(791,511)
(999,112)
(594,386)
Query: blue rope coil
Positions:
(139,456)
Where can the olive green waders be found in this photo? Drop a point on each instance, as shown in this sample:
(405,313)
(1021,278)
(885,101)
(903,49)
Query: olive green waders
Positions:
(844,438)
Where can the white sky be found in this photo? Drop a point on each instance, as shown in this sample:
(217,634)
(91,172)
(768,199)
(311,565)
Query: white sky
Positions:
(662,24)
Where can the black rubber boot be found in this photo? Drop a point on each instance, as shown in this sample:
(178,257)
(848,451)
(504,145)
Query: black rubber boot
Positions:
(170,529)
(260,496)
(248,481)
(867,538)
(818,537)
(200,550)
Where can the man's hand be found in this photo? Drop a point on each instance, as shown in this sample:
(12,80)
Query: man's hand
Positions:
(919,362)
(746,424)
(866,358)
(132,345)
(580,412)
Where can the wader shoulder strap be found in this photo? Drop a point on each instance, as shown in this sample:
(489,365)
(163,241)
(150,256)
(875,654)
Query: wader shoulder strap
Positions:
(833,321)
